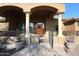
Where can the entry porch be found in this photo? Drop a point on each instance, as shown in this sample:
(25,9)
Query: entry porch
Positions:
(39,21)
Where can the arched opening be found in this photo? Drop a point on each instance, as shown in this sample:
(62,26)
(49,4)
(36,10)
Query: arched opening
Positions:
(40,16)
(14,18)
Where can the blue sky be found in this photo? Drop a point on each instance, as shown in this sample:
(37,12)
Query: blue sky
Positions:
(72,10)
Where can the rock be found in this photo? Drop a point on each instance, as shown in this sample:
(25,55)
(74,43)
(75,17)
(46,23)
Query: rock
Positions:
(10,46)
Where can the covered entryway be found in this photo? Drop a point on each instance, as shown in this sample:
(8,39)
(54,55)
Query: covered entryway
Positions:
(14,18)
(39,17)
(33,18)
(11,25)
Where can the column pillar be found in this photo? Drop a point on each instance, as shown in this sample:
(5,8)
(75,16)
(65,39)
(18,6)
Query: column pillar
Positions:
(27,14)
(27,23)
(60,30)
(60,24)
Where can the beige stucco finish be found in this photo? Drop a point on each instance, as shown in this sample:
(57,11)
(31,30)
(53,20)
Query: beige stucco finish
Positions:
(76,26)
(29,6)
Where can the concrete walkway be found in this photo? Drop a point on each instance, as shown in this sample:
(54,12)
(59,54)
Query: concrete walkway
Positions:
(59,51)
(41,50)
(74,52)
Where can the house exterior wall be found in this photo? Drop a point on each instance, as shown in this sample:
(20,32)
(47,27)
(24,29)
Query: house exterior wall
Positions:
(77,35)
(70,27)
(76,26)
(51,24)
(29,6)
(73,27)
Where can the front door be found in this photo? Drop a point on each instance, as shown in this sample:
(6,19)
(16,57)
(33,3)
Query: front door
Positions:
(39,29)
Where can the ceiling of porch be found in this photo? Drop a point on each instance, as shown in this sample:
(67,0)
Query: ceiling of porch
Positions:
(43,12)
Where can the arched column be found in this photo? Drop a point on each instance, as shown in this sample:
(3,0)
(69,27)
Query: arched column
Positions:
(59,41)
(60,24)
(60,30)
(27,19)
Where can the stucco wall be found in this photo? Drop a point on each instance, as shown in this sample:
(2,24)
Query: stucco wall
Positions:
(29,6)
(50,24)
(69,27)
(76,26)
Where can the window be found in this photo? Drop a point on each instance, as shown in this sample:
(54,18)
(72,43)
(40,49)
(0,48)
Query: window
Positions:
(31,27)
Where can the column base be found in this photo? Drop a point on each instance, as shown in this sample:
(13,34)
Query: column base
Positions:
(26,35)
(27,39)
(60,35)
(58,42)
(61,40)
